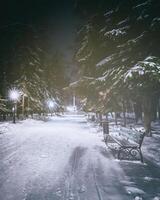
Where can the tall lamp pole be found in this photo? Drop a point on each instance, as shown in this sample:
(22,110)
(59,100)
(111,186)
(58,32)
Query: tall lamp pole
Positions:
(14,112)
(51,105)
(74,102)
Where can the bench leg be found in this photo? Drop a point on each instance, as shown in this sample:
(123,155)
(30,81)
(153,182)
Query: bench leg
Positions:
(105,138)
(141,156)
(119,153)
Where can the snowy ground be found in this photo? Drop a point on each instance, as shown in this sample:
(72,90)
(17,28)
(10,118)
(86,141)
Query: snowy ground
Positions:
(65,158)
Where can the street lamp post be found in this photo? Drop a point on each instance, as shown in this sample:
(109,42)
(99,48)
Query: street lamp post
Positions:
(14,112)
(14,96)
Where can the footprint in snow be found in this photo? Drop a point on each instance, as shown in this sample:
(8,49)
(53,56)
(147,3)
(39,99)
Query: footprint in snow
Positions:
(82,189)
(59,192)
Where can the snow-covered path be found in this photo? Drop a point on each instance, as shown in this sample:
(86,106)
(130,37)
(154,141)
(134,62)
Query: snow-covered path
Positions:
(61,159)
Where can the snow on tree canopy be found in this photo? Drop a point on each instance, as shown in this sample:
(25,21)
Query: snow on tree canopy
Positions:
(105,60)
(123,21)
(85,57)
(155,23)
(3,105)
(108,13)
(150,65)
(142,4)
(116,32)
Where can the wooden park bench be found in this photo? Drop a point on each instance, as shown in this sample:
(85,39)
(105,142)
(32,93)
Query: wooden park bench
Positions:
(127,143)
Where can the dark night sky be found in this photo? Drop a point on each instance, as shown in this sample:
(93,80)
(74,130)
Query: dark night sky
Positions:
(35,11)
(56,19)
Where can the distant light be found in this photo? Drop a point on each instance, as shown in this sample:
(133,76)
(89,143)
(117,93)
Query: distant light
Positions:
(51,103)
(71,108)
(14,94)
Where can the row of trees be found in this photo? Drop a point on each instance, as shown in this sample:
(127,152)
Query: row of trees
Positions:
(25,64)
(118,59)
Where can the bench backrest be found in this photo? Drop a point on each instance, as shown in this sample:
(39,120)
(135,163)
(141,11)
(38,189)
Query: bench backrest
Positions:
(132,135)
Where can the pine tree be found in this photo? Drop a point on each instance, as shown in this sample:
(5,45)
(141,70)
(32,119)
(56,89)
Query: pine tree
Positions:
(126,36)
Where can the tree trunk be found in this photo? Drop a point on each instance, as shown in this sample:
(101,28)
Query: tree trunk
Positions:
(4,117)
(147,106)
(100,118)
(159,109)
(97,116)
(138,111)
(116,115)
(154,108)
(124,114)
(107,116)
